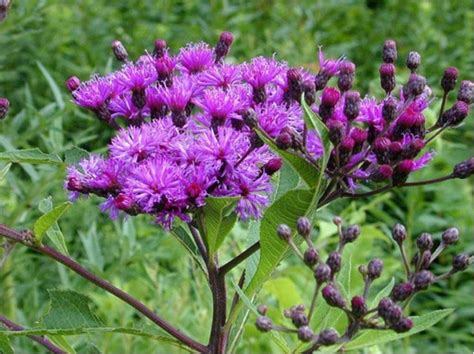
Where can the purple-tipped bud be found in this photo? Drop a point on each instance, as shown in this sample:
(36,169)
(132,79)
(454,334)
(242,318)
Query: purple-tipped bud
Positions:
(395,150)
(119,51)
(402,291)
(73,184)
(4,107)
(264,324)
(273,165)
(358,305)
(321,80)
(464,169)
(383,173)
(352,105)
(424,242)
(416,85)
(347,145)
(330,97)
(262,309)
(359,135)
(363,270)
(223,46)
(389,53)
(299,319)
(305,334)
(284,232)
(336,131)
(399,233)
(334,262)
(322,273)
(454,116)
(160,48)
(422,280)
(401,172)
(450,76)
(450,236)
(337,220)
(303,226)
(374,268)
(346,76)
(387,77)
(402,325)
(350,233)
(333,297)
(413,61)
(347,67)
(284,140)
(123,201)
(389,311)
(389,109)
(72,83)
(460,262)
(466,92)
(311,257)
(328,337)
(309,92)
(425,260)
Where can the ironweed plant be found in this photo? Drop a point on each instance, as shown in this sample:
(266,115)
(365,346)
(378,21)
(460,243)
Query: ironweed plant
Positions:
(199,144)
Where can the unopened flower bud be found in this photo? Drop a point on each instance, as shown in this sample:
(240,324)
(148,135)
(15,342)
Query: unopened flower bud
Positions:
(416,85)
(4,107)
(223,46)
(160,48)
(352,105)
(389,109)
(119,51)
(450,236)
(299,319)
(464,169)
(387,77)
(294,79)
(402,291)
(383,173)
(363,270)
(358,305)
(389,311)
(460,262)
(74,184)
(346,76)
(273,165)
(424,242)
(284,232)
(311,257)
(425,260)
(401,172)
(123,201)
(262,309)
(284,140)
(466,92)
(264,324)
(399,233)
(332,296)
(72,83)
(404,324)
(330,97)
(336,131)
(389,53)
(328,337)
(422,280)
(309,92)
(450,76)
(334,262)
(305,334)
(337,220)
(374,268)
(322,273)
(350,233)
(303,226)
(413,61)
(454,115)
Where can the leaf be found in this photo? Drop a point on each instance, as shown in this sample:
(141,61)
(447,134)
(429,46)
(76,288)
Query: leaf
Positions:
(33,156)
(69,310)
(183,237)
(5,346)
(303,168)
(4,171)
(63,343)
(218,219)
(375,337)
(52,84)
(287,209)
(288,180)
(49,219)
(54,233)
(75,155)
(383,293)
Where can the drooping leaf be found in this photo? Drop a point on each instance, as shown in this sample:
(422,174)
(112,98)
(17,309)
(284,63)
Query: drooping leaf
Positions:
(33,156)
(375,337)
(48,220)
(52,84)
(217,220)
(75,155)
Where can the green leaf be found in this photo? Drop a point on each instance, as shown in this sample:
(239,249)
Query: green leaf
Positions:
(52,84)
(287,180)
(48,220)
(307,172)
(54,233)
(420,323)
(5,345)
(63,343)
(217,220)
(69,310)
(33,156)
(287,209)
(183,237)
(383,293)
(75,155)
(4,171)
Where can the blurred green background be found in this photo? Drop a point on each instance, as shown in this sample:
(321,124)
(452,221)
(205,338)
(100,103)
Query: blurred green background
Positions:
(44,42)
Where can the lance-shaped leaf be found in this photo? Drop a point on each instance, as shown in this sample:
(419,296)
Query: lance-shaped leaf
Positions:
(49,219)
(4,171)
(33,156)
(217,220)
(75,155)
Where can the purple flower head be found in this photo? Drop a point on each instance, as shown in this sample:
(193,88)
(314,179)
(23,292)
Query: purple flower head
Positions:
(219,104)
(93,94)
(220,76)
(136,76)
(123,106)
(179,95)
(195,58)
(165,65)
(261,71)
(255,196)
(329,66)
(134,145)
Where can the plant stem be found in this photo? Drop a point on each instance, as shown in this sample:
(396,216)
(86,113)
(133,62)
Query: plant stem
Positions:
(234,262)
(199,243)
(27,239)
(405,260)
(38,339)
(218,337)
(313,302)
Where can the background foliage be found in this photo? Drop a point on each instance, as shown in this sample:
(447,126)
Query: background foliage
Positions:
(45,41)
